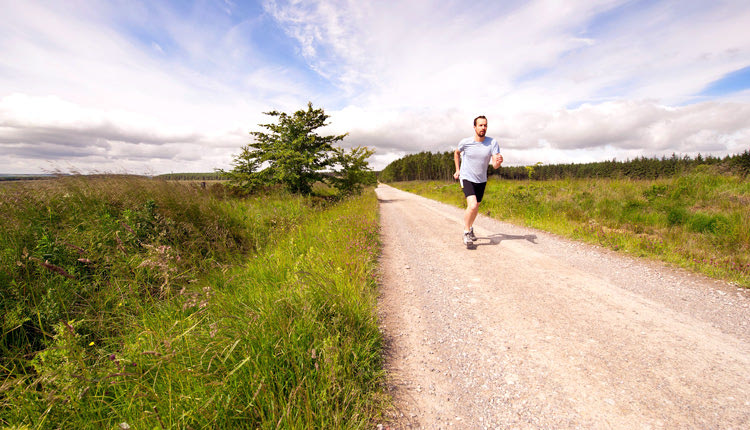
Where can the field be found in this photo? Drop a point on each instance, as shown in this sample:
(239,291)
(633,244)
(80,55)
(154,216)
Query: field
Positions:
(152,303)
(699,221)
(130,302)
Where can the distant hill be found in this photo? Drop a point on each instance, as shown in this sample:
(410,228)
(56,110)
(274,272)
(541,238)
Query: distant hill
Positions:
(24,177)
(210,176)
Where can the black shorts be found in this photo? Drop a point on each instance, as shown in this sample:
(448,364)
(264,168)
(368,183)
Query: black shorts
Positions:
(473,189)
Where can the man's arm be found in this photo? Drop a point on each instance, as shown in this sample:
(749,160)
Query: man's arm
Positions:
(457,162)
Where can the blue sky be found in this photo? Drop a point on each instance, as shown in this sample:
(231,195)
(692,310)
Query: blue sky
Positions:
(176,86)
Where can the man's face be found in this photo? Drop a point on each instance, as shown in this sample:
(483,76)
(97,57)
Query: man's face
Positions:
(481,127)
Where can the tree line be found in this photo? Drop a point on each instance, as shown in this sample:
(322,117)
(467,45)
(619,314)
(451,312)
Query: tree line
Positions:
(440,166)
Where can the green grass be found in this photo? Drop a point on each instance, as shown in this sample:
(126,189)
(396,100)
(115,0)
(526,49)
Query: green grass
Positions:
(699,221)
(193,310)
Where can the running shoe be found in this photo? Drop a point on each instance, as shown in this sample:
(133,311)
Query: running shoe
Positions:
(467,239)
(471,234)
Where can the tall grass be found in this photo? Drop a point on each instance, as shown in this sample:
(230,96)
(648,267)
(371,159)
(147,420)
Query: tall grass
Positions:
(699,221)
(125,304)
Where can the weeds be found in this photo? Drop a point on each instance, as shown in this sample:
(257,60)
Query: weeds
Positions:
(125,303)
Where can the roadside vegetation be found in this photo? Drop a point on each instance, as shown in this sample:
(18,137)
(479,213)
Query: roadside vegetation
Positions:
(698,220)
(249,302)
(145,303)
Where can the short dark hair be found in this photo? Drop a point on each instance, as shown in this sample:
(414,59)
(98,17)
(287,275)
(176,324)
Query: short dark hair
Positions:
(480,116)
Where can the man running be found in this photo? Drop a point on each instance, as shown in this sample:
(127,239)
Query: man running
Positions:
(472,156)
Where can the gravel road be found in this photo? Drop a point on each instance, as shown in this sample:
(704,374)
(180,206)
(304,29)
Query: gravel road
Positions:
(529,330)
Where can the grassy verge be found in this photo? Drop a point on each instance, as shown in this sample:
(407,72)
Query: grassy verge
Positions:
(125,305)
(699,221)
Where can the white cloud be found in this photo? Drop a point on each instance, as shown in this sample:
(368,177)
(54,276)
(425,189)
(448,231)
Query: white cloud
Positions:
(145,86)
(55,131)
(705,127)
(69,79)
(617,129)
(431,70)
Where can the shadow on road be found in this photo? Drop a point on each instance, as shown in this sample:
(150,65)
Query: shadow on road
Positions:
(496,238)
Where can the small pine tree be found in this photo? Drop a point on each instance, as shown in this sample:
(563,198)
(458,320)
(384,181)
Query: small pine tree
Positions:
(293,154)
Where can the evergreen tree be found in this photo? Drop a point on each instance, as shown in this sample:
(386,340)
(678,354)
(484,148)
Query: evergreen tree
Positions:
(291,153)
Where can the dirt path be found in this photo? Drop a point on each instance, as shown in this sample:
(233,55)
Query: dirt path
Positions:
(529,330)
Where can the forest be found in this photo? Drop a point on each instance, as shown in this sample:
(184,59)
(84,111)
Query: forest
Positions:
(440,166)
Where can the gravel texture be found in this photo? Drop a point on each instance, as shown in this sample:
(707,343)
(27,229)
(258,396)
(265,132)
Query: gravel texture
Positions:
(528,330)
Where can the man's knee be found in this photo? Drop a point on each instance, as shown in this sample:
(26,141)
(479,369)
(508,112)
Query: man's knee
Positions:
(472,204)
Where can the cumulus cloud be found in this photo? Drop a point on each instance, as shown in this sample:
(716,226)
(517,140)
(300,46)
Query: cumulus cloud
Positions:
(591,132)
(587,79)
(149,86)
(708,127)
(77,85)
(51,130)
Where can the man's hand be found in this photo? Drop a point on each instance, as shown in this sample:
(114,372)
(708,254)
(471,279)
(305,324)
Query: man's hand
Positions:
(497,160)
(455,175)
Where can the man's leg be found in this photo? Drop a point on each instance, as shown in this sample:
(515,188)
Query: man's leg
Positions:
(472,209)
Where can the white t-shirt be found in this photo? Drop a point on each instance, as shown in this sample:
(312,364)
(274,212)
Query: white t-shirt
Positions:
(475,157)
